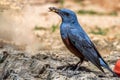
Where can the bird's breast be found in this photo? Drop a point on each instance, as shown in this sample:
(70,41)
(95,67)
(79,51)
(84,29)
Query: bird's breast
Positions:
(72,48)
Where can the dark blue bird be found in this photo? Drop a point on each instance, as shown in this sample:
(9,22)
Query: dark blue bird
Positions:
(77,41)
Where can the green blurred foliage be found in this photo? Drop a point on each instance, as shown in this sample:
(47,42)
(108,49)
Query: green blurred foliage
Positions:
(54,27)
(39,28)
(99,31)
(86,12)
(91,12)
(114,13)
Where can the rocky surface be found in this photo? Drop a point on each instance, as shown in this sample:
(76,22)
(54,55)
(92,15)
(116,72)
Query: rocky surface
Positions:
(49,65)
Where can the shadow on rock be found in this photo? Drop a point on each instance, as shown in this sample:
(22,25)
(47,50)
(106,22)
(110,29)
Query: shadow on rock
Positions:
(73,67)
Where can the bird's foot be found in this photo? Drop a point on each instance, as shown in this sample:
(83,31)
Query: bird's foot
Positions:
(69,70)
(67,67)
(77,66)
(74,67)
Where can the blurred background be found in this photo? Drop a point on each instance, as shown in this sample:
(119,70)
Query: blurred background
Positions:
(30,26)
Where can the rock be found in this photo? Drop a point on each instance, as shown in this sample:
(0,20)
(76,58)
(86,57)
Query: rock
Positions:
(46,65)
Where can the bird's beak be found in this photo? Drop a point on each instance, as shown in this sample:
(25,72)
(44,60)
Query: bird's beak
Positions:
(53,9)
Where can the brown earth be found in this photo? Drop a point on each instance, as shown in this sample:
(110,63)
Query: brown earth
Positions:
(49,65)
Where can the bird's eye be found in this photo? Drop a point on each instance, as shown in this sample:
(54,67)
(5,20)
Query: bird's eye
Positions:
(67,14)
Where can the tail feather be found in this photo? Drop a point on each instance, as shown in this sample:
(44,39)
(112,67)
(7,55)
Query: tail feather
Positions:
(103,64)
(114,74)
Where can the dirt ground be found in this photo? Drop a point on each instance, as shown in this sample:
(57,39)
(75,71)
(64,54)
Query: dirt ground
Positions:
(31,47)
(49,65)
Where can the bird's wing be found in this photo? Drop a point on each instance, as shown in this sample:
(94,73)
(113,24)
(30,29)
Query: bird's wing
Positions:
(85,46)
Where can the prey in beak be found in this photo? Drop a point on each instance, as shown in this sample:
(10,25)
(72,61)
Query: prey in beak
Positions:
(53,9)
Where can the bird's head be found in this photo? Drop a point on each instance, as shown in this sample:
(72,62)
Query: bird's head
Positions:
(67,15)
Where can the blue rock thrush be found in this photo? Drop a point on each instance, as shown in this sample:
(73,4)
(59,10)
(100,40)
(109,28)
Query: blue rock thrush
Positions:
(77,41)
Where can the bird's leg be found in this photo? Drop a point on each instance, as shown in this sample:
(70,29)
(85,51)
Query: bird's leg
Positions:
(77,66)
(72,66)
(66,67)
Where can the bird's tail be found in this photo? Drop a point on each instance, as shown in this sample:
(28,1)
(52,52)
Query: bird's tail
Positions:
(105,65)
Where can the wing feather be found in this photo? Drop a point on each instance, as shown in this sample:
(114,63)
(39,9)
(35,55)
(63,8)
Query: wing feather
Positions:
(79,40)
